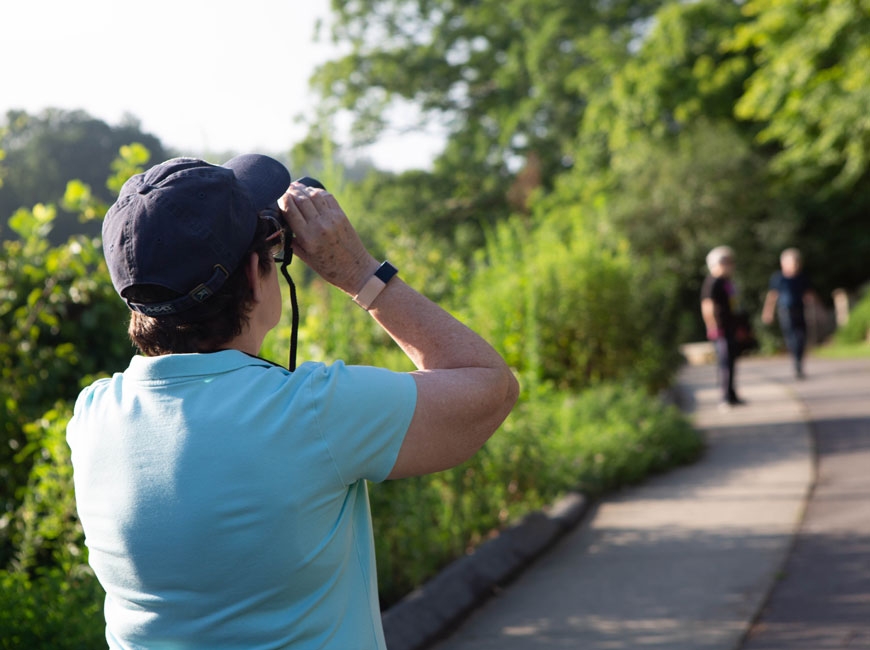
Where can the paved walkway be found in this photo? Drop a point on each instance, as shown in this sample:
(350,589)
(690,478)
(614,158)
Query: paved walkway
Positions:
(823,600)
(689,559)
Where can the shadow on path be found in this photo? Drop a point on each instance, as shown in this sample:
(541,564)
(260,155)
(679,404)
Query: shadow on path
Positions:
(823,598)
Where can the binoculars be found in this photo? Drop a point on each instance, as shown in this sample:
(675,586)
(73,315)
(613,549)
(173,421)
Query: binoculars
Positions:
(310,182)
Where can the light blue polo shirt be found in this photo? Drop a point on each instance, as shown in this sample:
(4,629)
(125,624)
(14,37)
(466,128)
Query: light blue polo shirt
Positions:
(224,501)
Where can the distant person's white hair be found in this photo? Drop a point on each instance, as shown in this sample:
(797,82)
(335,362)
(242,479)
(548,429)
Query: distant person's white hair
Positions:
(715,256)
(792,253)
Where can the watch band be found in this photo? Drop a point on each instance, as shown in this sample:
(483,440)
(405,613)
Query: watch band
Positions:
(374,285)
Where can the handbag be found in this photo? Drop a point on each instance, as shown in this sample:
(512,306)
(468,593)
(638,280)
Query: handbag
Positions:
(744,336)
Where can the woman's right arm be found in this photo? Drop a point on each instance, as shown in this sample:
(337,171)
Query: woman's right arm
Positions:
(465,389)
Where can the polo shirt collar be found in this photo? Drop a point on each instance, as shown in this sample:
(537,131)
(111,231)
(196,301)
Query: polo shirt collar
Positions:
(189,365)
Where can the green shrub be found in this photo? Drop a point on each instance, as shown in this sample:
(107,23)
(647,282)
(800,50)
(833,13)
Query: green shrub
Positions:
(50,598)
(51,610)
(569,308)
(612,435)
(60,320)
(857,327)
(46,530)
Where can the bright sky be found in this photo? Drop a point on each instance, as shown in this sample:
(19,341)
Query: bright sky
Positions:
(201,75)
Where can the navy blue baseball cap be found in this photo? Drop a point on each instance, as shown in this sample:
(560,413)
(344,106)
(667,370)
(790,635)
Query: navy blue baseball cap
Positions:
(185,225)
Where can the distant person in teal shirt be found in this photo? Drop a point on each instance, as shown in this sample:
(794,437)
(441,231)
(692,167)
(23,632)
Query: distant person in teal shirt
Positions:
(223,497)
(788,290)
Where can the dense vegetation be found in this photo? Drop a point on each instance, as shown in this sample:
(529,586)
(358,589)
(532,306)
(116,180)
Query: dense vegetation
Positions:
(857,328)
(596,151)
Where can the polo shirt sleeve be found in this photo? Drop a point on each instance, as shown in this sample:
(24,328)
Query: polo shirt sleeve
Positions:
(363,414)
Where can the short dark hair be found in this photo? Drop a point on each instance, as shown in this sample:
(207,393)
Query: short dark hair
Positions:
(204,328)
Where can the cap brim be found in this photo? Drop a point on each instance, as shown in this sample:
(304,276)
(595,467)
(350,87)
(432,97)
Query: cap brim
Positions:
(264,178)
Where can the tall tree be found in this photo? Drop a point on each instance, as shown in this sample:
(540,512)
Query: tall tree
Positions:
(811,90)
(494,72)
(811,96)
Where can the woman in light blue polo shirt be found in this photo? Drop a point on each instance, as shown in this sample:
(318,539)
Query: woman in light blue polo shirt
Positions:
(223,497)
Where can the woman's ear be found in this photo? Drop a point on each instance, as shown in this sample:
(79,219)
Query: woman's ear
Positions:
(252,271)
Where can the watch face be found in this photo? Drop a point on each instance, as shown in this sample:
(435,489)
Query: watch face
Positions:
(385,272)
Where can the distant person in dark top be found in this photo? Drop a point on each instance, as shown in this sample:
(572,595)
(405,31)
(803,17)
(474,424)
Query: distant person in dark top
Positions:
(718,307)
(789,288)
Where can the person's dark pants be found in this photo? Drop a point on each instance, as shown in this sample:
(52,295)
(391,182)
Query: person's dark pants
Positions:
(726,353)
(794,330)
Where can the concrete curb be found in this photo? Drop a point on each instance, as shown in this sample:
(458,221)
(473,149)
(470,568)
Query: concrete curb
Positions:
(429,612)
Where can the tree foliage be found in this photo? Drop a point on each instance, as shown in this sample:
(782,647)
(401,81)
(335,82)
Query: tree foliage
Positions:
(45,151)
(588,90)
(810,96)
(678,74)
(494,72)
(490,67)
(811,88)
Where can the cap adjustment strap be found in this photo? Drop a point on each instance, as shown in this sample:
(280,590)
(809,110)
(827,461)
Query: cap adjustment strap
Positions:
(194,297)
